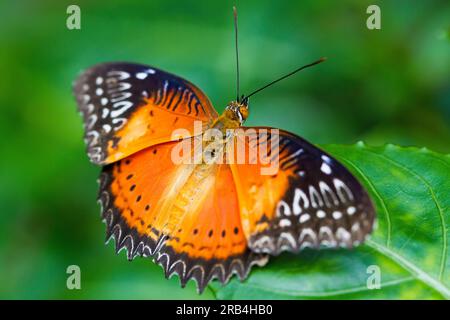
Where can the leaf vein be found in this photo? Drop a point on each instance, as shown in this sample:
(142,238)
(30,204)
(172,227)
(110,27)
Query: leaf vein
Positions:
(329,293)
(440,211)
(419,273)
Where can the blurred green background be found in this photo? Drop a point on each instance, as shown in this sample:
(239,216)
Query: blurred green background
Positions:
(389,85)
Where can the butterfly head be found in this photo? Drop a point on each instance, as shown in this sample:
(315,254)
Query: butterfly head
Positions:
(237,110)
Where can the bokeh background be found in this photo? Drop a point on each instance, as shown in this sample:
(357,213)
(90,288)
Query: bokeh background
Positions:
(389,85)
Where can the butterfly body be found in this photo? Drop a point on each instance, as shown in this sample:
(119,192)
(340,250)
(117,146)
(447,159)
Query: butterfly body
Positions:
(219,198)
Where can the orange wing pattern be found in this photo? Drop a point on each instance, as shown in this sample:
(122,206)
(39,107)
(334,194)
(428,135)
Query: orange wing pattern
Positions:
(184,216)
(128,107)
(311,201)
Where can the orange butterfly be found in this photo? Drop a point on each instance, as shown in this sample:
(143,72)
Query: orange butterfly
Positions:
(205,220)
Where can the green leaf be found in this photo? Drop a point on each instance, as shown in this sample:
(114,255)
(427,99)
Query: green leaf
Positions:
(411,189)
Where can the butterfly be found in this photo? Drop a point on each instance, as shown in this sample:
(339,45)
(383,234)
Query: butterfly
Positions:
(208,220)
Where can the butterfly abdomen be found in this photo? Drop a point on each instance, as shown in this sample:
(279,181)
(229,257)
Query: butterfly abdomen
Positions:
(190,194)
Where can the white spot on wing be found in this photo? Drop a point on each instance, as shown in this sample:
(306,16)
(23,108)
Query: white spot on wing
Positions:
(304,217)
(285,223)
(351,210)
(92,137)
(300,200)
(325,168)
(328,194)
(106,128)
(125,105)
(91,121)
(314,195)
(286,209)
(119,123)
(326,236)
(343,234)
(90,108)
(105,112)
(308,232)
(121,75)
(141,75)
(337,215)
(320,214)
(289,238)
(342,188)
(118,96)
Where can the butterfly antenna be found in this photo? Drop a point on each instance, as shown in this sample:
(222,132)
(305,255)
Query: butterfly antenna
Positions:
(237,51)
(285,76)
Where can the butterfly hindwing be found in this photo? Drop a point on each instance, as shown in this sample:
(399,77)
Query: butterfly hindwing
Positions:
(127,107)
(185,216)
(129,193)
(209,242)
(311,201)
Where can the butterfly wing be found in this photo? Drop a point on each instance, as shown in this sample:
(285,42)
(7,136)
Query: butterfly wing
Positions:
(185,216)
(210,242)
(127,107)
(310,201)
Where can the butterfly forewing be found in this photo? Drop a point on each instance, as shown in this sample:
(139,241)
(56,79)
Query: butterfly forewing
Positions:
(127,107)
(312,201)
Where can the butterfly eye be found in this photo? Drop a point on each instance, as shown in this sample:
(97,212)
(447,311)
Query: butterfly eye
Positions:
(244,112)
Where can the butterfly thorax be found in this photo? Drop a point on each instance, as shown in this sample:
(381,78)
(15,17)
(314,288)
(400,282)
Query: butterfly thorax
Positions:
(233,117)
